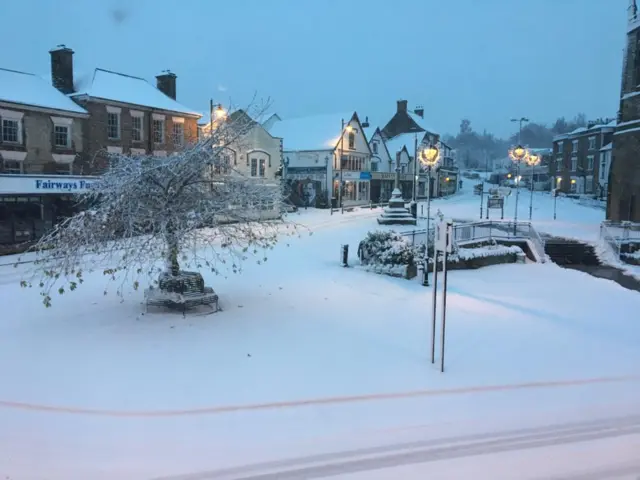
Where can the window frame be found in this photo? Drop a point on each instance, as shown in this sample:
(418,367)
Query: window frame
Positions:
(137,116)
(590,162)
(253,165)
(158,140)
(574,164)
(177,137)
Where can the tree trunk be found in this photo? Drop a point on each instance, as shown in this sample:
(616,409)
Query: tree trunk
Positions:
(172,258)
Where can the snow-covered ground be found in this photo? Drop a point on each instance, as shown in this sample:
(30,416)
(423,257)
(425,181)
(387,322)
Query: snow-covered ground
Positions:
(308,358)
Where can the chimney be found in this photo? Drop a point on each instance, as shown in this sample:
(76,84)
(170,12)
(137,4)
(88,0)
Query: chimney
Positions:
(167,83)
(419,110)
(365,124)
(402,106)
(62,68)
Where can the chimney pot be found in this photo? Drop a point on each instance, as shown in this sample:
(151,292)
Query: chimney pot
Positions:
(166,83)
(62,68)
(419,110)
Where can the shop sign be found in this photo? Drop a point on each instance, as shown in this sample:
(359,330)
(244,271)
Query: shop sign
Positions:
(36,184)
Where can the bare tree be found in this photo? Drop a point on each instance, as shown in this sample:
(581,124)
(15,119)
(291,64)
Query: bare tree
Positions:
(149,215)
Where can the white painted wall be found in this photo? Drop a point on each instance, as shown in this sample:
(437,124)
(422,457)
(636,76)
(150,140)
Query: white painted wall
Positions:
(312,159)
(258,144)
(382,158)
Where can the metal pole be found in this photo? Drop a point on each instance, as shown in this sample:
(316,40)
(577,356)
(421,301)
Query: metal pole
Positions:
(426,251)
(435,298)
(531,199)
(555,202)
(481,198)
(515,218)
(340,160)
(444,308)
(415,168)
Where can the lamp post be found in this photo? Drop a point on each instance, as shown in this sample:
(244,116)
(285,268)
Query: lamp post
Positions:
(533,161)
(517,154)
(429,158)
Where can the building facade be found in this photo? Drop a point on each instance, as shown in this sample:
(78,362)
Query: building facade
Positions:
(41,150)
(56,136)
(623,202)
(574,165)
(316,147)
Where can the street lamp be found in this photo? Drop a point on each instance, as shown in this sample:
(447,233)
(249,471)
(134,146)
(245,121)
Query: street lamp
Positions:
(429,158)
(533,161)
(517,154)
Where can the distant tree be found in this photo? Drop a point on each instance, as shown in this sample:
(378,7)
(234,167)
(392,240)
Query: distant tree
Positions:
(465,126)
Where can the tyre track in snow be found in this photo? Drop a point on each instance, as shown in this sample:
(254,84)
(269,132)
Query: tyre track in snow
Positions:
(388,456)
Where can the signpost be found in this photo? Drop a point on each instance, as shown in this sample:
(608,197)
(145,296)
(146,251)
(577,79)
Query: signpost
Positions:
(443,243)
(495,202)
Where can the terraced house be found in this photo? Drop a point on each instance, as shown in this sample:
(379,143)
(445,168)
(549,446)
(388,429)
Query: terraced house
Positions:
(56,132)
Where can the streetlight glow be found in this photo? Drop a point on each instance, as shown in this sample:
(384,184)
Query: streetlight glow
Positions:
(430,156)
(349,128)
(517,153)
(533,159)
(220,112)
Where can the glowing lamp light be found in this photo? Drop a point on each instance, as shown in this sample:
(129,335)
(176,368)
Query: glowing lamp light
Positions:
(430,156)
(447,179)
(517,153)
(349,128)
(533,159)
(219,112)
(508,175)
(573,180)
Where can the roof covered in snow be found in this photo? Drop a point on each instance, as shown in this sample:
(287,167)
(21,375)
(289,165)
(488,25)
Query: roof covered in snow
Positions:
(28,89)
(123,88)
(314,133)
(422,123)
(396,144)
(608,146)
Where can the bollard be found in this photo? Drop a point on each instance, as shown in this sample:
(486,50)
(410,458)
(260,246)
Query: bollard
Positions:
(345,255)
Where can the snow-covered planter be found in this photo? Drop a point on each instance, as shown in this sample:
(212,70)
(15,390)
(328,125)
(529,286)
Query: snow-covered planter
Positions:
(482,256)
(388,253)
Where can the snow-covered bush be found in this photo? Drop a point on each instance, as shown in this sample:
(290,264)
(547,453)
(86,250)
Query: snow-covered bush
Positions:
(387,248)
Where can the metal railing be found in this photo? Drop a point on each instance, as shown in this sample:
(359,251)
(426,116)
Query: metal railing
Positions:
(614,235)
(486,231)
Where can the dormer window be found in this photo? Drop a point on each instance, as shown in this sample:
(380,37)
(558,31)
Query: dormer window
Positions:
(374,147)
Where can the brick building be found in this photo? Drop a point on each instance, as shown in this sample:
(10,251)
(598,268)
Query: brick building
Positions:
(574,165)
(623,201)
(126,114)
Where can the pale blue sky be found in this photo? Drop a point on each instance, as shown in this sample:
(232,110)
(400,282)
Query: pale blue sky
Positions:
(488,60)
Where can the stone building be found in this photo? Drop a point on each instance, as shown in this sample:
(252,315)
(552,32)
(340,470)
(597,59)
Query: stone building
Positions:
(623,202)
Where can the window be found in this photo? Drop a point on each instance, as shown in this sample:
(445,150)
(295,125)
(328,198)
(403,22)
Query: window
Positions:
(178,134)
(592,143)
(11,130)
(262,169)
(574,146)
(560,146)
(374,166)
(61,136)
(113,125)
(12,166)
(254,167)
(352,141)
(158,131)
(136,128)
(603,165)
(558,162)
(375,147)
(574,164)
(590,163)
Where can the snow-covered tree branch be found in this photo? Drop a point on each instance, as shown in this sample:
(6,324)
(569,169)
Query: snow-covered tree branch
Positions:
(148,215)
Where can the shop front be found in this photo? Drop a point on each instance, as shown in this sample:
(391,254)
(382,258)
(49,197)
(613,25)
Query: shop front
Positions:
(447,182)
(381,186)
(356,187)
(30,205)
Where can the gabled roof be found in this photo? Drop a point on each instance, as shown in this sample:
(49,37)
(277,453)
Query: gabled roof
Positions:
(404,141)
(119,87)
(314,133)
(31,90)
(384,144)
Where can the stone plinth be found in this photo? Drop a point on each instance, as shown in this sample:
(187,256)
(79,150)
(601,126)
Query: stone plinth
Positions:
(396,213)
